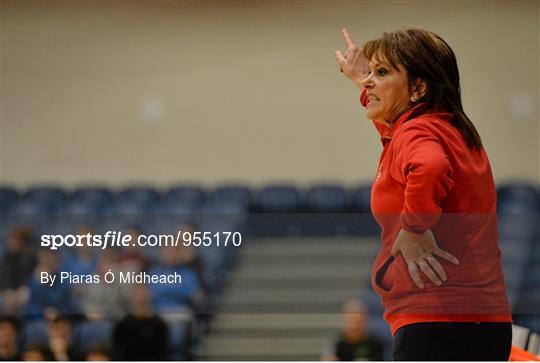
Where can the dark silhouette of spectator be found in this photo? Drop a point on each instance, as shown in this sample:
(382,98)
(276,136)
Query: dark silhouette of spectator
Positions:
(45,300)
(16,268)
(8,339)
(354,342)
(60,340)
(141,335)
(19,259)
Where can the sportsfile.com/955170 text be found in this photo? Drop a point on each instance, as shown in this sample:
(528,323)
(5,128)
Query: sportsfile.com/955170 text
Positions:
(121,239)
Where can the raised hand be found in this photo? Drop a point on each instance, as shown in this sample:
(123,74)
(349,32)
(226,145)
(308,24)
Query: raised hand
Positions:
(417,251)
(353,63)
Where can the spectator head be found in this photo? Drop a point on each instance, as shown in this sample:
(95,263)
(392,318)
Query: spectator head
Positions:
(184,253)
(98,354)
(48,261)
(107,260)
(59,328)
(140,300)
(355,319)
(8,333)
(36,353)
(168,255)
(21,237)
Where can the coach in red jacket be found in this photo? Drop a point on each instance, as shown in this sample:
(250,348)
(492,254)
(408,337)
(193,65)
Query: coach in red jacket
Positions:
(438,271)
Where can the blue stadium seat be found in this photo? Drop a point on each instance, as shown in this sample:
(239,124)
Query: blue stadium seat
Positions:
(168,215)
(96,195)
(535,251)
(518,197)
(529,302)
(361,199)
(327,198)
(95,334)
(276,211)
(124,214)
(77,211)
(34,333)
(279,198)
(232,194)
(513,279)
(33,213)
(48,194)
(131,207)
(528,320)
(139,194)
(187,195)
(179,339)
(221,217)
(515,254)
(517,227)
(532,277)
(8,197)
(214,263)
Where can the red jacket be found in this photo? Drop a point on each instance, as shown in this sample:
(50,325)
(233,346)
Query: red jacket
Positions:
(429,179)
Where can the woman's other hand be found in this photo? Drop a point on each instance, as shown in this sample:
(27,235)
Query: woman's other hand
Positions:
(417,251)
(353,63)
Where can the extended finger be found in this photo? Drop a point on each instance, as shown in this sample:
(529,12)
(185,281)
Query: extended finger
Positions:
(341,60)
(347,38)
(446,256)
(437,267)
(426,269)
(340,57)
(415,274)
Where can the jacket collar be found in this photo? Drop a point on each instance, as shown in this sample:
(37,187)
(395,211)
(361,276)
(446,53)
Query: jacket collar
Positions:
(415,111)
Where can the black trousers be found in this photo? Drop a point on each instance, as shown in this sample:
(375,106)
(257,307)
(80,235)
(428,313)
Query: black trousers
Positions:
(453,341)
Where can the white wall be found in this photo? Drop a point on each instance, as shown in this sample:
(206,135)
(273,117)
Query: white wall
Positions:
(210,92)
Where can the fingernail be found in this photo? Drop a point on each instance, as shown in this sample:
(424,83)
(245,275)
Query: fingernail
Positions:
(438,283)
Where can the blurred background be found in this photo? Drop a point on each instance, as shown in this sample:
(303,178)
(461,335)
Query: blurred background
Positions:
(155,116)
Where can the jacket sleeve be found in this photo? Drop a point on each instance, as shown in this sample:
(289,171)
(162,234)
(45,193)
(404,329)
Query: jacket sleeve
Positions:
(427,172)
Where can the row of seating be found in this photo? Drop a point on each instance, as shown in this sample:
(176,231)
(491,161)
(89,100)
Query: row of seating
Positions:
(282,197)
(347,211)
(276,197)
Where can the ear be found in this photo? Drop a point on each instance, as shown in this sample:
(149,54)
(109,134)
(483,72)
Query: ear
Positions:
(418,89)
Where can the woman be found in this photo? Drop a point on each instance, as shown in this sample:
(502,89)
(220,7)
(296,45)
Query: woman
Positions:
(438,271)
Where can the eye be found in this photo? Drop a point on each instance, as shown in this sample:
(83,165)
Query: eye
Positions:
(382,71)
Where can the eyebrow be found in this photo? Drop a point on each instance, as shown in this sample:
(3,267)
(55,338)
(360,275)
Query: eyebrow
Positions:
(375,65)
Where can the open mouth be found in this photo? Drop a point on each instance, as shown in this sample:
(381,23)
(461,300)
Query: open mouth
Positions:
(372,98)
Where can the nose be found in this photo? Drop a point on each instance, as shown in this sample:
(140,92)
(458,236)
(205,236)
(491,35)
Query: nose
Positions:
(368,81)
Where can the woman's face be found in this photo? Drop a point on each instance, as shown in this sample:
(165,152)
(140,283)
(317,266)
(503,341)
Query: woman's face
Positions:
(387,90)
